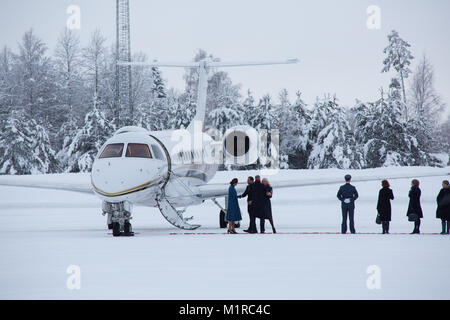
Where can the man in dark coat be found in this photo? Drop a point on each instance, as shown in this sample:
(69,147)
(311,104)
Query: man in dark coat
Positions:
(249,193)
(443,209)
(384,205)
(258,198)
(414,206)
(347,194)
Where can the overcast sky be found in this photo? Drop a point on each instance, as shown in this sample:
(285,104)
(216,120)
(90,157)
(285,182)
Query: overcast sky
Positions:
(338,53)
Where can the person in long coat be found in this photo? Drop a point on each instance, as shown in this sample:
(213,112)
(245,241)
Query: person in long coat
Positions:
(258,198)
(384,205)
(443,207)
(249,194)
(414,206)
(233,210)
(267,206)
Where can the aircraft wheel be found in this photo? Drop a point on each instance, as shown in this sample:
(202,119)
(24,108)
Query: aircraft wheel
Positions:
(222,222)
(116,229)
(127,227)
(110,226)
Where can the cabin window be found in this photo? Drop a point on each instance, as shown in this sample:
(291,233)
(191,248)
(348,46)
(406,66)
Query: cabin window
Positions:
(138,150)
(113,150)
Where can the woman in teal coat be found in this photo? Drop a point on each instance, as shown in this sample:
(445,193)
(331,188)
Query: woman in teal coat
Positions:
(233,211)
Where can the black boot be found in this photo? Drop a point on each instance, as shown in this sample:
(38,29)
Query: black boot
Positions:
(262,223)
(444,226)
(416,227)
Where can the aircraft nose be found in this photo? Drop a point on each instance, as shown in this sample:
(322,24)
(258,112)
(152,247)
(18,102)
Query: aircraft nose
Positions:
(116,177)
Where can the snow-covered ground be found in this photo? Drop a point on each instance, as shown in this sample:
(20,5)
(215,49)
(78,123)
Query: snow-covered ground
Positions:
(45,231)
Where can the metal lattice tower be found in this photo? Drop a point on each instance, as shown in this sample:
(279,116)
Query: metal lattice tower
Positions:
(124,115)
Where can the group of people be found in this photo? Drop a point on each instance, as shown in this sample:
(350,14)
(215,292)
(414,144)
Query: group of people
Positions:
(258,193)
(347,194)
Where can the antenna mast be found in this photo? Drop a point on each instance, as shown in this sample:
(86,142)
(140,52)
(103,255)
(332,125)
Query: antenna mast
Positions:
(123,101)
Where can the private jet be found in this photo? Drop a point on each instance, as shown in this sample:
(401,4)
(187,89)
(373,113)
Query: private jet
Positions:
(167,169)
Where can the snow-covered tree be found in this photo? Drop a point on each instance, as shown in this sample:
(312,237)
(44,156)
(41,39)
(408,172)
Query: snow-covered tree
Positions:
(181,110)
(158,85)
(80,153)
(7,95)
(25,147)
(16,153)
(35,84)
(70,90)
(224,103)
(399,58)
(293,121)
(426,107)
(444,132)
(263,116)
(333,145)
(381,130)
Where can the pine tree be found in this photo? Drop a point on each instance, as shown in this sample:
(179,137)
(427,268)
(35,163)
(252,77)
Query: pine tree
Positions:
(427,109)
(7,95)
(69,85)
(263,115)
(382,131)
(180,111)
(334,143)
(88,141)
(249,108)
(293,123)
(35,84)
(158,86)
(225,108)
(16,153)
(25,147)
(398,57)
(44,155)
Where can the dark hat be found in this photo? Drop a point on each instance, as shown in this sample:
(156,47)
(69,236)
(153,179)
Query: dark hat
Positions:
(348,177)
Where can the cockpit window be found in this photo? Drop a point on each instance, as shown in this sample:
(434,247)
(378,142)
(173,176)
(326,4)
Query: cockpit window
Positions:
(138,150)
(157,153)
(113,150)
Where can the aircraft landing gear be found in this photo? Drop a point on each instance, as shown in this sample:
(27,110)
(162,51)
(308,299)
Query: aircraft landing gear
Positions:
(119,216)
(223,223)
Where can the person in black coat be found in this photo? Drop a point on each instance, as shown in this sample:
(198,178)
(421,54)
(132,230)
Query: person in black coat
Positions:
(414,207)
(443,207)
(384,205)
(258,198)
(249,194)
(347,194)
(267,206)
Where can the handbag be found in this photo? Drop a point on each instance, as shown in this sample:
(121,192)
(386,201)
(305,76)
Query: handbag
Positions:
(378,219)
(413,217)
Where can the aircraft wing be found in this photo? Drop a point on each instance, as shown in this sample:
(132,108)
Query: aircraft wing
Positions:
(69,182)
(217,190)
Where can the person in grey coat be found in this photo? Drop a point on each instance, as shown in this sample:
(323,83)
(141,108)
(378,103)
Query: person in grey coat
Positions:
(347,194)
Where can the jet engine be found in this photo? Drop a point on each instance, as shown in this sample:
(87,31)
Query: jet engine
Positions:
(240,146)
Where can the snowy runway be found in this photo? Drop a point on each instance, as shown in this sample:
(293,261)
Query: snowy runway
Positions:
(45,231)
